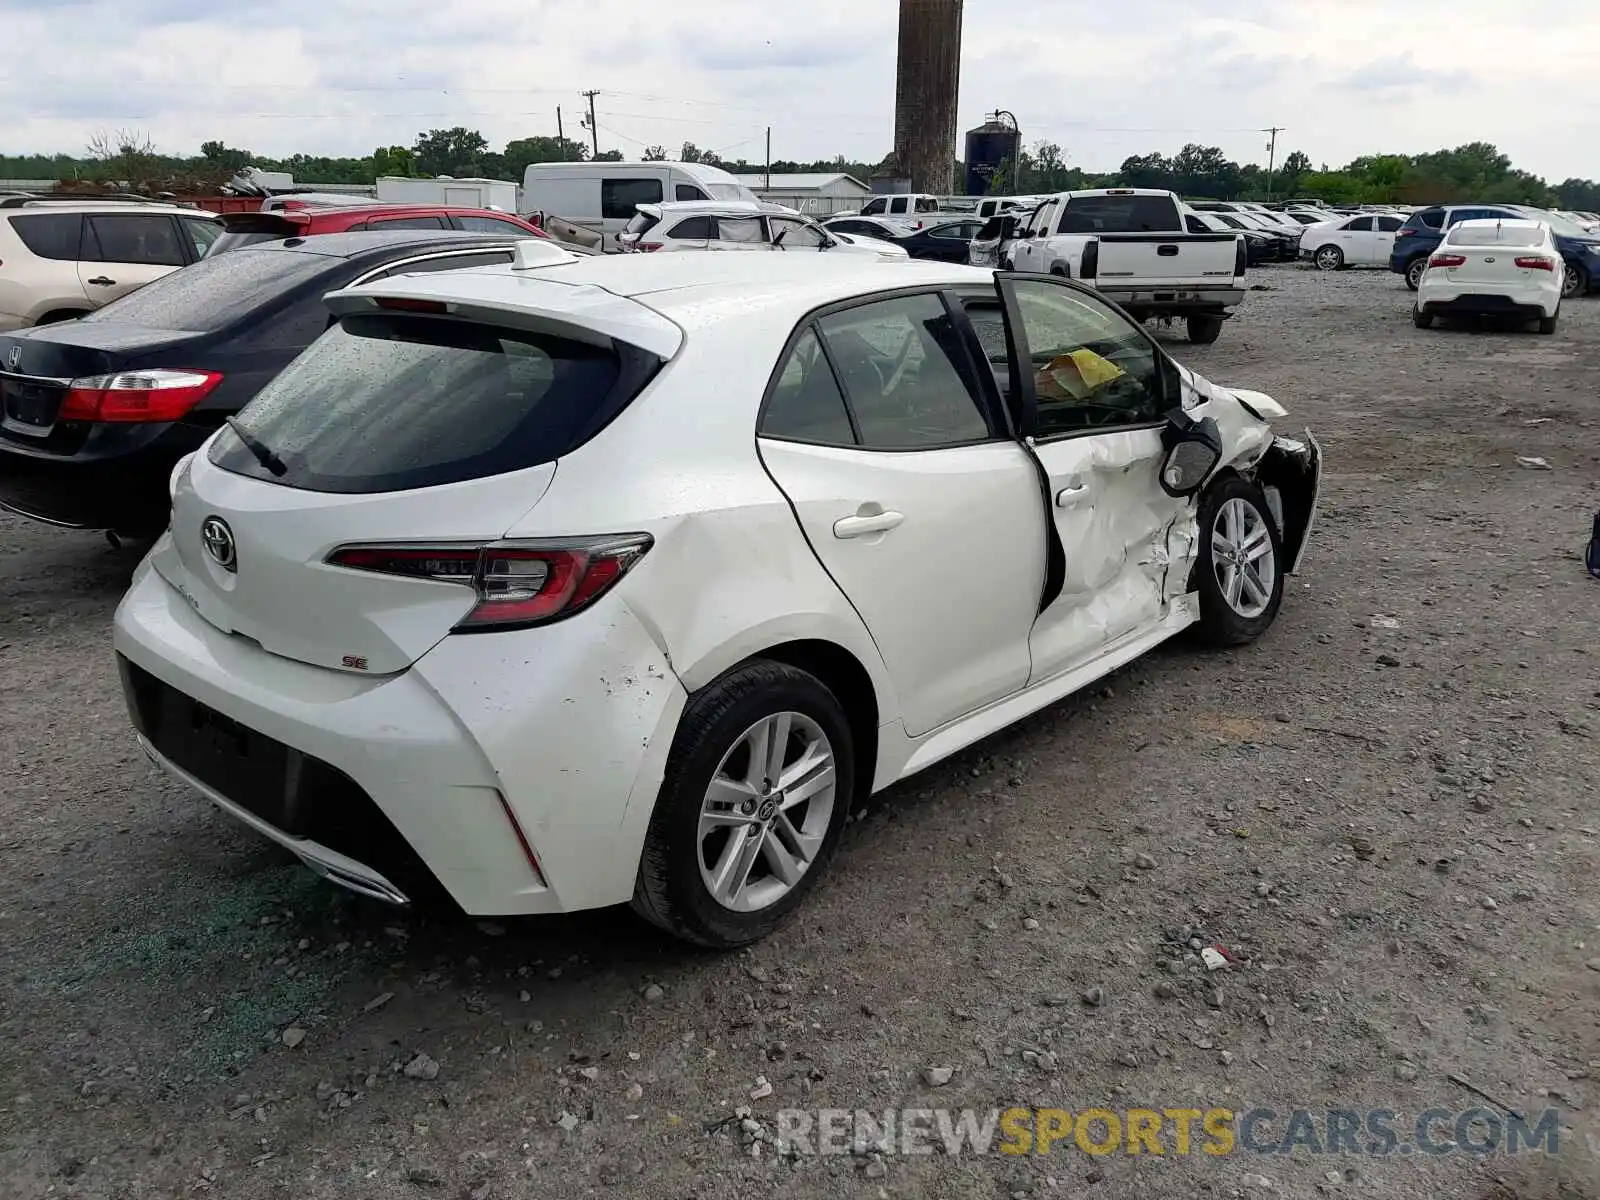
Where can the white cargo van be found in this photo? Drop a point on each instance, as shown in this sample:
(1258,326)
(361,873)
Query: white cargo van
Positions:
(602,196)
(443,189)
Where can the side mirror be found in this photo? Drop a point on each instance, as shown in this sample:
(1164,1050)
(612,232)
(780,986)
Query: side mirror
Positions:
(1193,450)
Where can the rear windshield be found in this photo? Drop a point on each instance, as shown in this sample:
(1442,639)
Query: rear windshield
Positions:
(251,229)
(1504,235)
(1120,214)
(214,292)
(391,403)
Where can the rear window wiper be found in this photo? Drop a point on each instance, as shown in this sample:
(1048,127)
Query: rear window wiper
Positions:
(260,450)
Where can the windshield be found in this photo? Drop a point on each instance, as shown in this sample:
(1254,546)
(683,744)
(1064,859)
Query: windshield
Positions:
(214,292)
(1558,223)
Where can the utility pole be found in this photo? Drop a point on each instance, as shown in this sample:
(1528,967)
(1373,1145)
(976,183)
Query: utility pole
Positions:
(561,134)
(1272,156)
(594,130)
(769,158)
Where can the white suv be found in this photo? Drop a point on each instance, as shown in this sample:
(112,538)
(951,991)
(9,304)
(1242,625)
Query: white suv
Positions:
(586,580)
(64,258)
(737,225)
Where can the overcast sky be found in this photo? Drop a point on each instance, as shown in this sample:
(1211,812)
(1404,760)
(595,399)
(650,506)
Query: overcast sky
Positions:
(1105,80)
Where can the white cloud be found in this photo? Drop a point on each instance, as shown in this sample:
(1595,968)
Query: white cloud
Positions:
(1105,81)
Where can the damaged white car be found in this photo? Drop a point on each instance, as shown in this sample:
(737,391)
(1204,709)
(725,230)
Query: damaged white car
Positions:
(590,580)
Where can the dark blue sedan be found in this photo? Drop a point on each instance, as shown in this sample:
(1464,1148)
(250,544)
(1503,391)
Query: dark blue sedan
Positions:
(941,239)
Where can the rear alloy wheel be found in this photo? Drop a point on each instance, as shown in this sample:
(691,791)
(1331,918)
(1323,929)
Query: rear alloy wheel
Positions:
(1575,282)
(1414,272)
(1204,330)
(1239,574)
(757,788)
(1329,258)
(1422,320)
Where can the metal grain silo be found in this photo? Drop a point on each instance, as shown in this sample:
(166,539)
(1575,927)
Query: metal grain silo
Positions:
(991,148)
(927,82)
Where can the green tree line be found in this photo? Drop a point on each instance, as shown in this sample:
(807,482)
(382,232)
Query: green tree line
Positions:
(1474,171)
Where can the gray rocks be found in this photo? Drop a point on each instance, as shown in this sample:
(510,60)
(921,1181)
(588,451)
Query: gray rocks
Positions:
(422,1067)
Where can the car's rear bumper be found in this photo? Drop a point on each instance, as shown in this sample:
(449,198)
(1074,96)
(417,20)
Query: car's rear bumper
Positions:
(1461,301)
(127,494)
(433,778)
(1176,300)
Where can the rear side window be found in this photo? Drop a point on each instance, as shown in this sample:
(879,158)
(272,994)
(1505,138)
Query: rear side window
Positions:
(619,197)
(51,235)
(215,292)
(1433,218)
(491,225)
(926,204)
(405,223)
(385,403)
(686,191)
(806,403)
(202,233)
(144,240)
(697,229)
(743,230)
(1120,214)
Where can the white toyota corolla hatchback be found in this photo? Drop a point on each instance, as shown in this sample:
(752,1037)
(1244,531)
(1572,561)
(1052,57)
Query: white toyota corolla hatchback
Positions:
(590,580)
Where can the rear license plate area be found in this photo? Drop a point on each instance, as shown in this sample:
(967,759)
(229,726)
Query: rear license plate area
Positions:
(29,408)
(243,766)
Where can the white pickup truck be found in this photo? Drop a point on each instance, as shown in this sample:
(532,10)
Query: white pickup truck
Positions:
(1130,244)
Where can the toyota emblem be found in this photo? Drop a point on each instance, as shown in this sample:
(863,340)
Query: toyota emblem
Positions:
(16,357)
(218,541)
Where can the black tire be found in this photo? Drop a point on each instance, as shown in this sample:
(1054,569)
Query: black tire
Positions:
(1061,270)
(669,891)
(1328,258)
(1548,324)
(1220,624)
(1420,319)
(1414,272)
(1574,282)
(1204,330)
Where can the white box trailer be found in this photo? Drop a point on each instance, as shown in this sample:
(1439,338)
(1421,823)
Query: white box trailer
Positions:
(460,193)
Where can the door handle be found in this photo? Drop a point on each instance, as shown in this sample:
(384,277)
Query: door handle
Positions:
(102,281)
(861,526)
(1068,496)
(1167,251)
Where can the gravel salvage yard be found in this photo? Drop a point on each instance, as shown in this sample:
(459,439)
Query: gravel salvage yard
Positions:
(1385,811)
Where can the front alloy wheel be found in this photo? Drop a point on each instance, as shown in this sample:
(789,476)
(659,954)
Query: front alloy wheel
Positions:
(1239,572)
(1329,258)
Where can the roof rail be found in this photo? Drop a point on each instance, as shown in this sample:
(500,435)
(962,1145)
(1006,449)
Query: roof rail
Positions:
(25,201)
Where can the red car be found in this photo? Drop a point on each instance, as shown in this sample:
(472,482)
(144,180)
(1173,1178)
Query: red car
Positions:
(244,229)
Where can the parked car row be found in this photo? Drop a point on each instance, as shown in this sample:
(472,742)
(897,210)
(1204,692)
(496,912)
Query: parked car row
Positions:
(393,468)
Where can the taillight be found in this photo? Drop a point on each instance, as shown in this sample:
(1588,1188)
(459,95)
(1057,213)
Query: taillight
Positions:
(1448,260)
(1241,256)
(648,246)
(1089,265)
(519,584)
(159,395)
(1408,231)
(1534,262)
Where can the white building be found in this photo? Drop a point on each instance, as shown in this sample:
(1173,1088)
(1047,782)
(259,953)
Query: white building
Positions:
(817,195)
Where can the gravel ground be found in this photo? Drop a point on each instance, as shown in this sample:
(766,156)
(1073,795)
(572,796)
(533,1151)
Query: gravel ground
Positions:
(1384,810)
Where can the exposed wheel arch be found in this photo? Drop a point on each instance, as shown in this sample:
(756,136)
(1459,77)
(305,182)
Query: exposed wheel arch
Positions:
(849,681)
(57,315)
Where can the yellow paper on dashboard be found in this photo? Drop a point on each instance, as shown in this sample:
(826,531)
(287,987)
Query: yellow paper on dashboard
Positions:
(1077,374)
